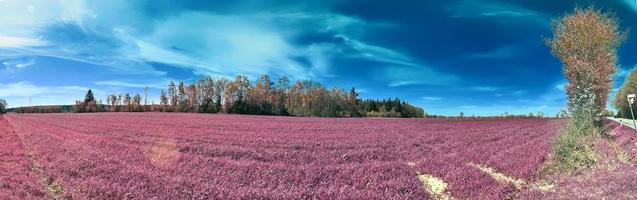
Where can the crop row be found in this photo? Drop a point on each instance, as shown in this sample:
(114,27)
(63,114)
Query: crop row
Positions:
(146,155)
(17,179)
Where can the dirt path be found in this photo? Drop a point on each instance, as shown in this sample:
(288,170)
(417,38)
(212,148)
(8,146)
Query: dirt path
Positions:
(17,180)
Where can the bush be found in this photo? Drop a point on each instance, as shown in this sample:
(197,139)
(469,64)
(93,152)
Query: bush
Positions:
(573,148)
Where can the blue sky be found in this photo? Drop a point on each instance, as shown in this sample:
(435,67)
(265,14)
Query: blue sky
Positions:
(480,57)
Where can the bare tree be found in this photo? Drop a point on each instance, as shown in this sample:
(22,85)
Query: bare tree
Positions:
(127,101)
(146,92)
(163,100)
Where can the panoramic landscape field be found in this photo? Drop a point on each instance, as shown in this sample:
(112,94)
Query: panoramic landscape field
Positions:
(196,156)
(318,99)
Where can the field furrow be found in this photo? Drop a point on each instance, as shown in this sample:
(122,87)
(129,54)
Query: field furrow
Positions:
(177,156)
(17,179)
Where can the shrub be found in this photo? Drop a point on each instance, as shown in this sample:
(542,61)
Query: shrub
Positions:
(573,148)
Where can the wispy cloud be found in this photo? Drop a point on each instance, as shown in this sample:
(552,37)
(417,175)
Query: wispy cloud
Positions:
(482,8)
(485,88)
(500,11)
(18,62)
(631,4)
(376,53)
(19,42)
(24,94)
(431,98)
(160,84)
(398,76)
(117,36)
(500,52)
(560,86)
(519,92)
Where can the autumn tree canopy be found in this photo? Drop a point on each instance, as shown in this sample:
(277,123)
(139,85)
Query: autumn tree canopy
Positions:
(586,42)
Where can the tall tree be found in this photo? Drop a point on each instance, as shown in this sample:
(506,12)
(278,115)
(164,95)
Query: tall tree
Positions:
(127,102)
(174,99)
(182,97)
(235,95)
(220,85)
(136,103)
(586,42)
(113,102)
(163,100)
(352,103)
(3,106)
(193,96)
(280,98)
(89,104)
(261,95)
(146,92)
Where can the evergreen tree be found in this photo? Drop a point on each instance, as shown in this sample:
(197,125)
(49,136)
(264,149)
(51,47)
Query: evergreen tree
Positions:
(3,106)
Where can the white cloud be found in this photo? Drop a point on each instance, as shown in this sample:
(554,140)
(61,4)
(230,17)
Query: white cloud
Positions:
(376,53)
(480,8)
(404,83)
(24,94)
(18,42)
(18,62)
(498,11)
(220,44)
(29,62)
(160,84)
(21,20)
(631,4)
(398,76)
(500,52)
(432,98)
(519,92)
(560,86)
(485,88)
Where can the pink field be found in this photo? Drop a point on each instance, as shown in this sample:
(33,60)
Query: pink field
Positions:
(17,181)
(198,156)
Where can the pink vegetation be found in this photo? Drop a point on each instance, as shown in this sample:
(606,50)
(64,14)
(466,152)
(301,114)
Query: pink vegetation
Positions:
(624,136)
(17,181)
(196,156)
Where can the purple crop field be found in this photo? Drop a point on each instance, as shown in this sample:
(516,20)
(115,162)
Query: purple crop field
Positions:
(195,156)
(16,180)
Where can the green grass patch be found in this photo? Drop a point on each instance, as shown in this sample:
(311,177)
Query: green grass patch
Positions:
(573,149)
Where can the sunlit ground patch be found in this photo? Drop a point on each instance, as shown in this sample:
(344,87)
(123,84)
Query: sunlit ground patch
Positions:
(544,187)
(163,152)
(435,187)
(53,188)
(621,154)
(500,177)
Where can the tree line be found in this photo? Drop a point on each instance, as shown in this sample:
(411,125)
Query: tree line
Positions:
(264,97)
